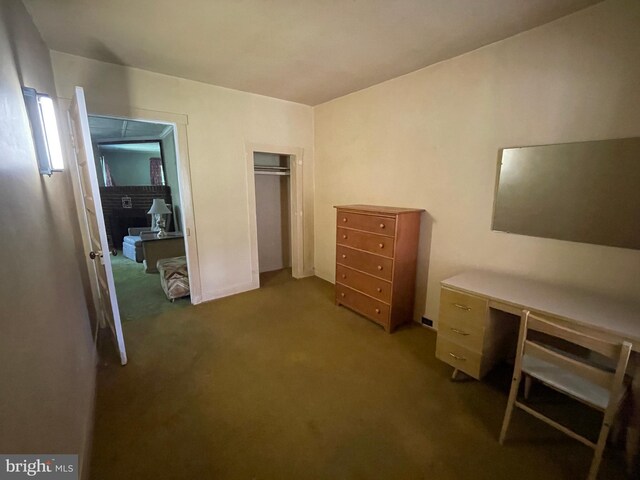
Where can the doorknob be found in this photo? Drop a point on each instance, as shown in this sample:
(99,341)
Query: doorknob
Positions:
(114,252)
(94,255)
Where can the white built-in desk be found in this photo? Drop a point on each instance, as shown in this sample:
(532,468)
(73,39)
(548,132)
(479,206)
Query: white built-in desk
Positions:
(612,318)
(477,325)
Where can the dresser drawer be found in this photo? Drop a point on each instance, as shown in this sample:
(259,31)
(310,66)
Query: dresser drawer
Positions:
(370,223)
(459,357)
(367,306)
(365,262)
(473,339)
(463,311)
(373,286)
(366,241)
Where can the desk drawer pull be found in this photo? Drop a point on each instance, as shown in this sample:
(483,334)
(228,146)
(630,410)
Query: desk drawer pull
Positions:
(457,357)
(462,307)
(459,332)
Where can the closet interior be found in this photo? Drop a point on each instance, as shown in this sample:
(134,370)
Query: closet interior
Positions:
(273,210)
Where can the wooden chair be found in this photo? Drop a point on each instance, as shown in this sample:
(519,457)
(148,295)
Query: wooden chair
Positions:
(593,385)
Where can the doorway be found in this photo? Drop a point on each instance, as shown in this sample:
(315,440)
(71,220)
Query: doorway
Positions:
(273,214)
(274,181)
(137,171)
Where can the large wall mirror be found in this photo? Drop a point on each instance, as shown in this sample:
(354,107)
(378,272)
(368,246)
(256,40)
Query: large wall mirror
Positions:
(130,163)
(583,192)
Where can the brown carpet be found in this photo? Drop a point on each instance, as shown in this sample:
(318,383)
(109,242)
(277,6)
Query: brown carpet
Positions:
(279,383)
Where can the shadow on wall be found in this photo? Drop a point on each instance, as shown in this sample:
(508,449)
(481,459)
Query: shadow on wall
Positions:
(41,79)
(422,274)
(111,83)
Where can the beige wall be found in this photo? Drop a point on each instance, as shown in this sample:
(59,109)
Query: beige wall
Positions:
(221,122)
(47,355)
(430,139)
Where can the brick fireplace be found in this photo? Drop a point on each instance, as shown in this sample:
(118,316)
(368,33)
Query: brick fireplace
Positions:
(125,207)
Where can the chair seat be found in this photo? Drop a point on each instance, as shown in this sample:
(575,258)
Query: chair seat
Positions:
(566,381)
(134,240)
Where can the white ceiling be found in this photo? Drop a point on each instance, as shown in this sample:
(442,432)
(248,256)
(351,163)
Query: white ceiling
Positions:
(106,128)
(308,51)
(151,148)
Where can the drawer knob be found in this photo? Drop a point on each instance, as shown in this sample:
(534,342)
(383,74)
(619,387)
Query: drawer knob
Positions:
(457,357)
(377,310)
(342,295)
(344,256)
(381,245)
(378,289)
(344,236)
(344,219)
(379,267)
(459,332)
(382,225)
(461,307)
(344,276)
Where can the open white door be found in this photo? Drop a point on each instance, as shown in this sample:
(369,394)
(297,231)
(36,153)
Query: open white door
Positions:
(107,306)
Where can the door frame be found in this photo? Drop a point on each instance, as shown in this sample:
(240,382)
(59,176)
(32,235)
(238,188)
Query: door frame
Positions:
(296,206)
(179,123)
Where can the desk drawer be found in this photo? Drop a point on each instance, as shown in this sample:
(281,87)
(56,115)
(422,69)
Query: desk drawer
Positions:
(372,286)
(367,306)
(369,223)
(471,338)
(462,310)
(370,242)
(459,357)
(365,262)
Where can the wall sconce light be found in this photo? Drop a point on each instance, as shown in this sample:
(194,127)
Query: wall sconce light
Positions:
(44,128)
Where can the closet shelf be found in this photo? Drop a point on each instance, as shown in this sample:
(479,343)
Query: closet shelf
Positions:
(270,172)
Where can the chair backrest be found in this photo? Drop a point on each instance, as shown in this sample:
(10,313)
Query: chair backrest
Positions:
(618,353)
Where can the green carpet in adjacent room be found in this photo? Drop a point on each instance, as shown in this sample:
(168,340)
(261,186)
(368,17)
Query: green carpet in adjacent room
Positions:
(140,294)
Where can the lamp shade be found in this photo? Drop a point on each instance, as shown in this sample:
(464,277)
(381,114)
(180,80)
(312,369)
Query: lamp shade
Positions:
(159,206)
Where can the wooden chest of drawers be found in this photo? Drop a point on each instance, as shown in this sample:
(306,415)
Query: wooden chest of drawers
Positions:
(376,254)
(471,336)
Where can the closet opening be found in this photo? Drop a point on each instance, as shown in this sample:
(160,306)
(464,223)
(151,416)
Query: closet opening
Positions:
(272,174)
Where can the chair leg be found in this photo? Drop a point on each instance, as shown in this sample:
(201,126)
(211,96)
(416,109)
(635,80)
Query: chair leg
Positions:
(515,385)
(528,381)
(597,456)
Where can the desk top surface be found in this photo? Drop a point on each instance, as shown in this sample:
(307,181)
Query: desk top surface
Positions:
(617,317)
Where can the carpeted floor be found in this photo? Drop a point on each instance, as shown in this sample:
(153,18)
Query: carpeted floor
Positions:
(279,383)
(140,294)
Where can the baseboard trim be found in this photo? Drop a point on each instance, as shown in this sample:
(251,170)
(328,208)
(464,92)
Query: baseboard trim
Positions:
(232,290)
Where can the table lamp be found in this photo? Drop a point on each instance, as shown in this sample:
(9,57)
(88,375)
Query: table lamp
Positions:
(158,210)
